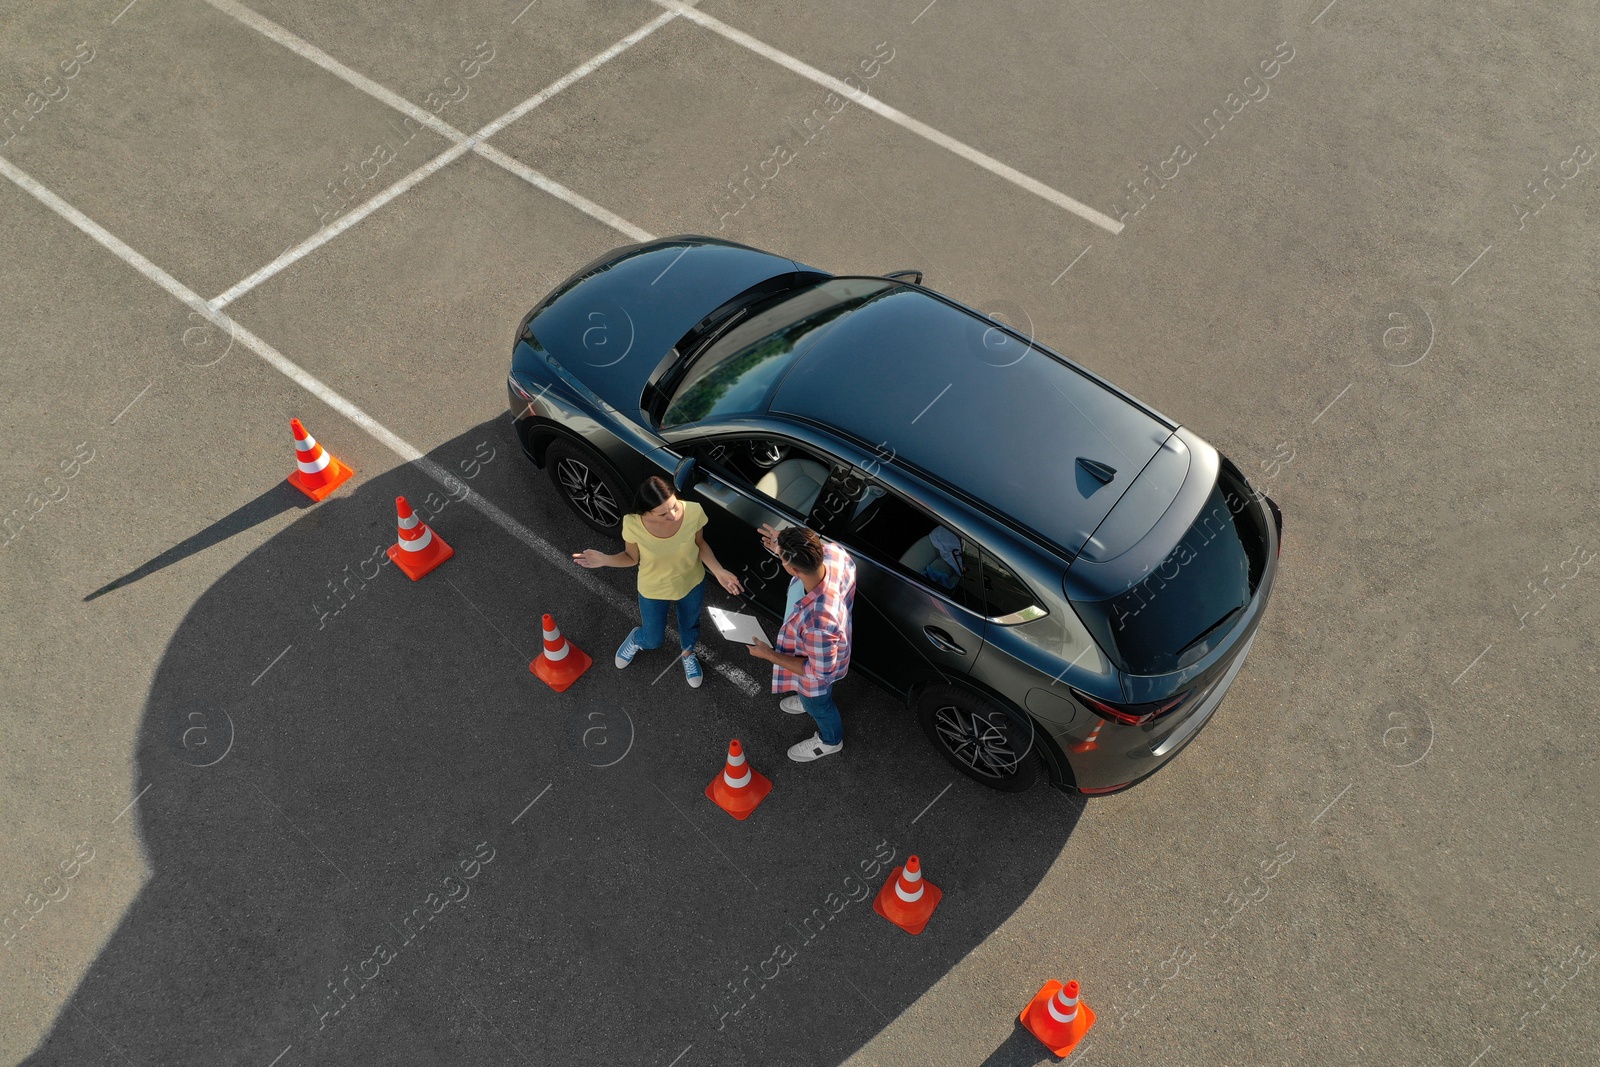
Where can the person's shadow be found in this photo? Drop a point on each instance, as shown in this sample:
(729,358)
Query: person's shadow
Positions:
(374,837)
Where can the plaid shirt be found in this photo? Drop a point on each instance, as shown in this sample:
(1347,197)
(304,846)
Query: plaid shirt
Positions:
(819,629)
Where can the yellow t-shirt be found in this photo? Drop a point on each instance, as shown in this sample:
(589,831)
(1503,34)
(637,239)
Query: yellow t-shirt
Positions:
(669,567)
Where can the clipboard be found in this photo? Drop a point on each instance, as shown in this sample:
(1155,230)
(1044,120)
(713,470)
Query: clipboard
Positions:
(736,626)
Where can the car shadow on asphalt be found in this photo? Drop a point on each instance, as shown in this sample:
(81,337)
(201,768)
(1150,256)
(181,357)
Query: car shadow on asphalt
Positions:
(373,836)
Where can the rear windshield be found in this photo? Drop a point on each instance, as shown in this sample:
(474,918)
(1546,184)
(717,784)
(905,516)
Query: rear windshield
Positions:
(1198,593)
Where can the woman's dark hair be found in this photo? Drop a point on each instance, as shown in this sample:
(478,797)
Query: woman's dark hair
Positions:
(651,494)
(800,547)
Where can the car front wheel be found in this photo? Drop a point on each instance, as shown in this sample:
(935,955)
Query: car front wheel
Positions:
(980,739)
(588,485)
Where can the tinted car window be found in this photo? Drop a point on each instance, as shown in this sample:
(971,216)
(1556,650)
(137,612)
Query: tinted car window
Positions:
(737,370)
(1197,593)
(1004,593)
(862,514)
(770,466)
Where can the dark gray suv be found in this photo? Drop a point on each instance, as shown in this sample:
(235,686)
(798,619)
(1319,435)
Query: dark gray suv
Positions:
(1055,578)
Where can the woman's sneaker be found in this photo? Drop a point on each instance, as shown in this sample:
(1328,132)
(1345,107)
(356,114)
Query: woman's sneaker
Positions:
(629,649)
(792,705)
(691,671)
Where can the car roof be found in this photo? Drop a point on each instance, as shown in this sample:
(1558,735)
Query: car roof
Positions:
(939,387)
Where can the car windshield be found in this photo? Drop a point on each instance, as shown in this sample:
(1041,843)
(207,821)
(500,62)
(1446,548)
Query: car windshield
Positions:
(1194,598)
(734,373)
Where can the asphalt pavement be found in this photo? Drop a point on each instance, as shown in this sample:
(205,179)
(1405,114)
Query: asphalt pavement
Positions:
(265,801)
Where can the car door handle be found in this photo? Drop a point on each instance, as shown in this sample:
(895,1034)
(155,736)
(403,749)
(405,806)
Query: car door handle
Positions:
(942,640)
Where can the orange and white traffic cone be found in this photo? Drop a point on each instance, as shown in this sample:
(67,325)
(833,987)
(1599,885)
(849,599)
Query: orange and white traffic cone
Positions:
(1057,1017)
(419,549)
(316,472)
(1090,743)
(740,787)
(561,662)
(907,899)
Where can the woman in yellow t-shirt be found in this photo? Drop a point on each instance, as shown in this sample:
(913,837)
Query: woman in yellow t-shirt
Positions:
(665,537)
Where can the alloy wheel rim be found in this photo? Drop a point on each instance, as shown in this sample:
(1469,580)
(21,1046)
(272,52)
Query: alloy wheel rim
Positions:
(587,492)
(977,743)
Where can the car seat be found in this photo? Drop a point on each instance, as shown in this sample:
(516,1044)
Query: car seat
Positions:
(794,483)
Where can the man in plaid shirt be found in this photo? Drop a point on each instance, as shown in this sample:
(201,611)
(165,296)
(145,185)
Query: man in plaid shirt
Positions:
(814,643)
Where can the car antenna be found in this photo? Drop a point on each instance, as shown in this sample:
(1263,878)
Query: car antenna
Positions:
(1097,469)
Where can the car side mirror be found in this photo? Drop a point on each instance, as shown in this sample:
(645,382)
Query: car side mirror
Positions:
(914,277)
(685,476)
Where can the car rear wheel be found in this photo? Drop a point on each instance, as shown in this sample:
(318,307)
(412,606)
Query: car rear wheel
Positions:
(588,485)
(983,741)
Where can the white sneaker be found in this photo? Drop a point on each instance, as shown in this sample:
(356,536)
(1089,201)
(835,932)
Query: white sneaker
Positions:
(812,749)
(792,705)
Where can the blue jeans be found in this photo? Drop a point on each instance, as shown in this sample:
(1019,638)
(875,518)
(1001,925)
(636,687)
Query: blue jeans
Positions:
(653,619)
(823,709)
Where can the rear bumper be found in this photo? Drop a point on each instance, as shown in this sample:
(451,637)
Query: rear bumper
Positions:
(1127,755)
(1135,753)
(1180,734)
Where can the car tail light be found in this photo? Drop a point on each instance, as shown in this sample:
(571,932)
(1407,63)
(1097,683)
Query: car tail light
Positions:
(1134,714)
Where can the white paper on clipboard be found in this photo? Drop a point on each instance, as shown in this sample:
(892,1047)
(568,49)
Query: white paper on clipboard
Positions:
(745,629)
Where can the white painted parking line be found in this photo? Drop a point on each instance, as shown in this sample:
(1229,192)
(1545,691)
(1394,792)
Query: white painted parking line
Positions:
(345,222)
(105,237)
(581,71)
(463,142)
(556,189)
(556,558)
(900,118)
(308,51)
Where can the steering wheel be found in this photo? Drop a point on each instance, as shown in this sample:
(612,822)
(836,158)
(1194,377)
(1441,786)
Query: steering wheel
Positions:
(765,453)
